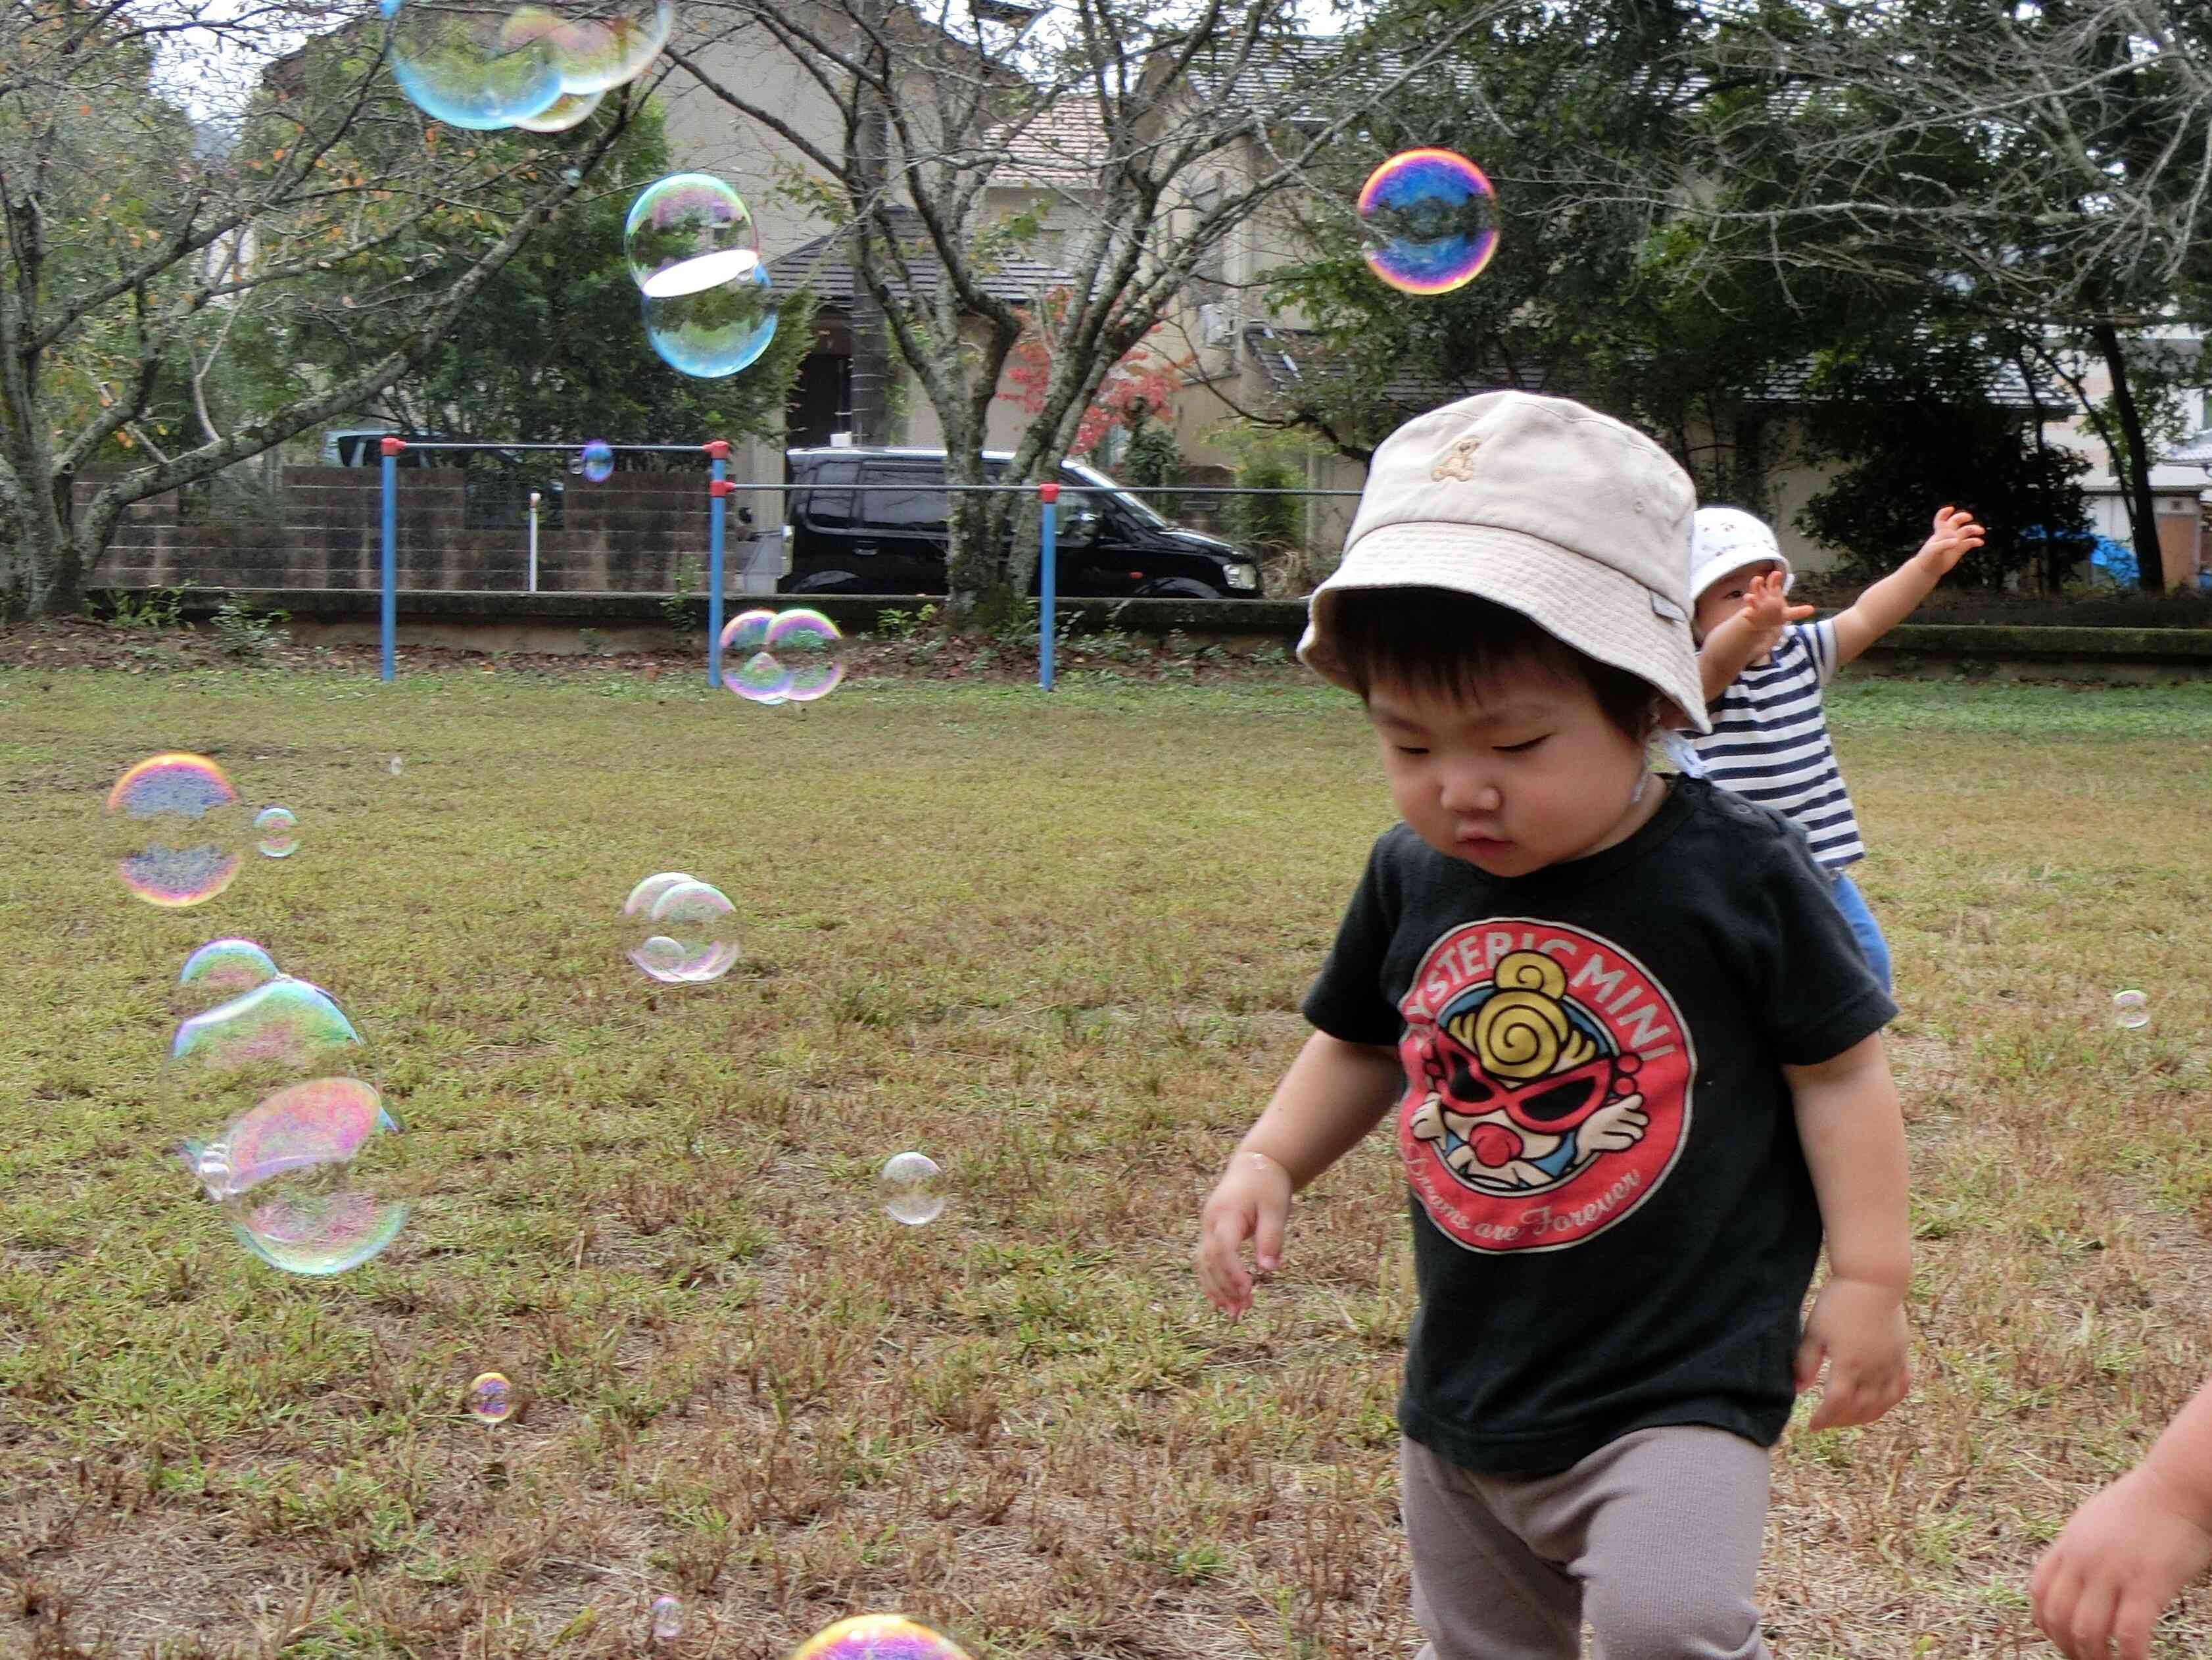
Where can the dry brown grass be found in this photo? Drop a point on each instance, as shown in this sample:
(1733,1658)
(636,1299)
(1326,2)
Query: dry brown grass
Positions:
(1059,947)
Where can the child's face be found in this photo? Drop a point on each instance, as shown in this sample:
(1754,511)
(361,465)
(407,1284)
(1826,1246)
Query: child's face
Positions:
(1530,775)
(1725,598)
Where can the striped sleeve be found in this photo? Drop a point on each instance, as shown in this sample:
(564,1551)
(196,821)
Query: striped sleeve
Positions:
(1818,640)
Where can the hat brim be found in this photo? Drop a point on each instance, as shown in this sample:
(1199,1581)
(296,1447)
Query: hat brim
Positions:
(1727,564)
(1600,612)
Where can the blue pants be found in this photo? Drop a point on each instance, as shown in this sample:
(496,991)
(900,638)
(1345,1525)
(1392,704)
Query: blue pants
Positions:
(1864,928)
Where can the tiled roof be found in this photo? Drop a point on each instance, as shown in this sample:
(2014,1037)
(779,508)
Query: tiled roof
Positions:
(824,266)
(1064,144)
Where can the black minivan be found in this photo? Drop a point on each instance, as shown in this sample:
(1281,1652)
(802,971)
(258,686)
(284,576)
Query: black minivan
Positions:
(872,521)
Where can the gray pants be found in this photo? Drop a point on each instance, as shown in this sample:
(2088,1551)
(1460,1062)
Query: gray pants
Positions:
(1653,1538)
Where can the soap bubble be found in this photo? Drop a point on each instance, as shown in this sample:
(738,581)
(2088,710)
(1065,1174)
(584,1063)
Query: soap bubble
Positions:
(395,766)
(1429,221)
(600,44)
(2131,1009)
(175,827)
(688,927)
(491,1398)
(880,1637)
(667,1620)
(810,651)
(598,460)
(284,1024)
(221,969)
(709,333)
(474,64)
(907,1186)
(571,109)
(276,832)
(687,233)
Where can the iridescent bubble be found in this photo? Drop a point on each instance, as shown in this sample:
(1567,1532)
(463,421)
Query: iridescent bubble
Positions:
(880,1637)
(811,652)
(907,1185)
(276,832)
(174,822)
(223,969)
(667,1619)
(2131,1009)
(1429,221)
(491,1399)
(601,44)
(714,332)
(598,460)
(285,1025)
(689,926)
(474,64)
(689,231)
(569,110)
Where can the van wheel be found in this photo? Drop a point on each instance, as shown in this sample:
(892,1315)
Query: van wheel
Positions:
(1177,587)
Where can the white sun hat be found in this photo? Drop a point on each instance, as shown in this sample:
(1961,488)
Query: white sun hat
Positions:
(1723,540)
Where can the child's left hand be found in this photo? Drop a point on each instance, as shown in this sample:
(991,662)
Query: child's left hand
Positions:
(1955,535)
(2123,1557)
(1858,1329)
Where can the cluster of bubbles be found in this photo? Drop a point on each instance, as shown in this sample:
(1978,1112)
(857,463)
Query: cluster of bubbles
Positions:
(880,1637)
(1428,222)
(689,934)
(541,68)
(782,657)
(693,252)
(274,1060)
(2131,1010)
(178,833)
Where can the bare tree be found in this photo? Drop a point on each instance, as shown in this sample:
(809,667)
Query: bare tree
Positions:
(169,165)
(1064,152)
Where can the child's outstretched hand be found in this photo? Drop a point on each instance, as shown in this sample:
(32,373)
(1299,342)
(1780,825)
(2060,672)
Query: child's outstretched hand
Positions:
(1767,609)
(1858,1329)
(1252,1200)
(2123,1557)
(1955,535)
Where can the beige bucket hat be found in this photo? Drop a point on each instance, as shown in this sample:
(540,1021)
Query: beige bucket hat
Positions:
(1576,520)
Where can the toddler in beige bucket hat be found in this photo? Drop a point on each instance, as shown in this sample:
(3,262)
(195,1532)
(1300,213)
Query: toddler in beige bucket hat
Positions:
(1578,522)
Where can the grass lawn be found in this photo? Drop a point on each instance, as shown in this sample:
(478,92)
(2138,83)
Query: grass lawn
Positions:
(1057,944)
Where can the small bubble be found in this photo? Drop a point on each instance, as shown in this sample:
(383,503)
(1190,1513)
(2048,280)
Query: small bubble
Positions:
(395,766)
(2131,1009)
(491,1398)
(278,832)
(907,1186)
(667,1620)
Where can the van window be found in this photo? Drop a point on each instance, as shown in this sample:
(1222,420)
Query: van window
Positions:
(903,498)
(832,508)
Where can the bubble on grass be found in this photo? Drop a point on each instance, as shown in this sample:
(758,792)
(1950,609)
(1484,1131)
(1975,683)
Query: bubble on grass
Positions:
(284,1024)
(2131,1009)
(810,652)
(907,1185)
(276,832)
(491,1398)
(474,64)
(880,1637)
(1428,222)
(395,766)
(224,969)
(598,460)
(688,926)
(175,830)
(295,1176)
(667,1620)
(714,332)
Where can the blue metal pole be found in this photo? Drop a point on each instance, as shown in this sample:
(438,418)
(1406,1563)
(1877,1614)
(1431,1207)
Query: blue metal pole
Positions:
(388,617)
(1048,575)
(717,491)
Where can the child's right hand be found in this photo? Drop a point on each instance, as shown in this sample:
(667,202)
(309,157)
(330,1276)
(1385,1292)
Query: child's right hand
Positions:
(1252,1200)
(1767,609)
(2123,1557)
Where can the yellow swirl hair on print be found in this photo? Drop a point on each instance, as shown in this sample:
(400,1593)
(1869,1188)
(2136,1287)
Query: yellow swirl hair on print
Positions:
(1521,1029)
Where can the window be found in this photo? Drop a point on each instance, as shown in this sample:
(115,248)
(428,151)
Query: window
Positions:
(832,507)
(904,498)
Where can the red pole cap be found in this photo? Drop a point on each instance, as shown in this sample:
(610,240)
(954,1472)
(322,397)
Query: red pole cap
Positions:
(721,487)
(1047,494)
(393,446)
(717,447)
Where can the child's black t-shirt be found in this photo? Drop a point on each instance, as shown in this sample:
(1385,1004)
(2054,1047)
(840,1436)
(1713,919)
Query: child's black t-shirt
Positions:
(1614,1227)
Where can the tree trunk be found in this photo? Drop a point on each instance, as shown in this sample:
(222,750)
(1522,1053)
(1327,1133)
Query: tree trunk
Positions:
(872,350)
(2142,510)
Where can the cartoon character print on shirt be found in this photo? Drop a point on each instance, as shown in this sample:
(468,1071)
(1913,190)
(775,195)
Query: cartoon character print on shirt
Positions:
(1548,1085)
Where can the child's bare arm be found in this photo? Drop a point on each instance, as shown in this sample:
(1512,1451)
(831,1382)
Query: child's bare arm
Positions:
(1893,599)
(1852,1129)
(1333,1093)
(2128,1551)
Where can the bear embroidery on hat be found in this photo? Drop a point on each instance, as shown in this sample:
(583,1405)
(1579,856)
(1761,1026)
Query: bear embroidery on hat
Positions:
(1459,460)
(1548,1085)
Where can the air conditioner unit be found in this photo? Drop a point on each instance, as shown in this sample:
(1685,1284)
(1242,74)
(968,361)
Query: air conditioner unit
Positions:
(1217,324)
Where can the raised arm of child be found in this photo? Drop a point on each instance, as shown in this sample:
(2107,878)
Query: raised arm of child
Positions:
(1738,642)
(1893,599)
(2128,1551)
(1852,1128)
(1333,1093)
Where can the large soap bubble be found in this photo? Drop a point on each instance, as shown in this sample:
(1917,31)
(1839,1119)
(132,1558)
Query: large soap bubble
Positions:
(687,233)
(569,110)
(600,44)
(219,970)
(714,332)
(1429,221)
(176,830)
(680,929)
(879,1637)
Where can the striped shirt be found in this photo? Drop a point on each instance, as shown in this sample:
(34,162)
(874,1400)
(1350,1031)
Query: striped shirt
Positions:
(1770,743)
